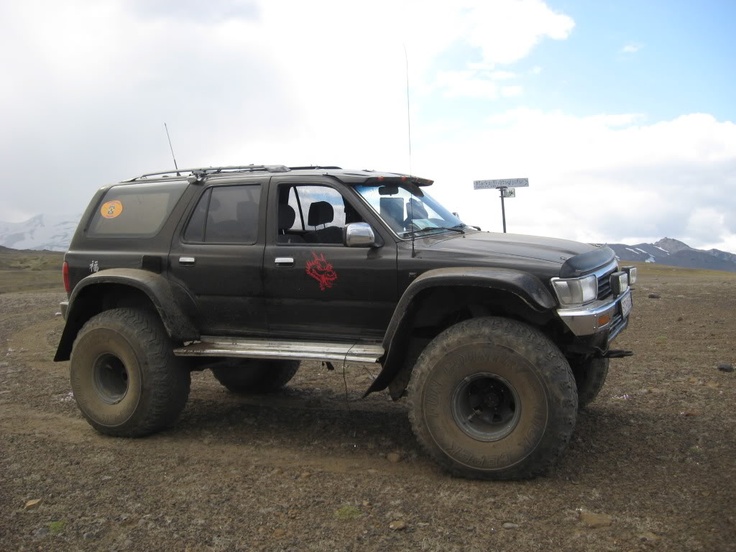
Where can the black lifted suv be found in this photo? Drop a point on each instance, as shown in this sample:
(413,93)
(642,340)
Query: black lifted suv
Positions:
(496,339)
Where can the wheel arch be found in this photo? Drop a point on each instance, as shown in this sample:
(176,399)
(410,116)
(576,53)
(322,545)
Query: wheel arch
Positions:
(440,298)
(122,287)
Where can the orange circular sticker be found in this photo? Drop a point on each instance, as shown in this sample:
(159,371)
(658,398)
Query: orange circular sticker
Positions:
(111,209)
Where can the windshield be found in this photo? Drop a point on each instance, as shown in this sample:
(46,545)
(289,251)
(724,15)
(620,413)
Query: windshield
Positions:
(408,212)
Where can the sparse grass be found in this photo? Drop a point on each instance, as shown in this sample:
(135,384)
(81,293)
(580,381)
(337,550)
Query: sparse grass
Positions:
(30,270)
(347,512)
(56,527)
(653,270)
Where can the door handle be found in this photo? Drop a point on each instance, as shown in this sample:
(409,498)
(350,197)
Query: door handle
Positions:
(187,260)
(284,261)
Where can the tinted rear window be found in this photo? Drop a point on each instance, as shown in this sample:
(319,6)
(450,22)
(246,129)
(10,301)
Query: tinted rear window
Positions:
(135,210)
(226,214)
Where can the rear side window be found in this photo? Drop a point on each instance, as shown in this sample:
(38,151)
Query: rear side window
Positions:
(135,210)
(225,214)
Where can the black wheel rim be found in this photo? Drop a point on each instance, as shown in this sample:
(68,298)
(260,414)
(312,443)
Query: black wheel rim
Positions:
(486,407)
(111,378)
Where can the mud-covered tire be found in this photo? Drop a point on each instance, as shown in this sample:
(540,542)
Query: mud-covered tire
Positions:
(246,377)
(124,376)
(590,376)
(493,398)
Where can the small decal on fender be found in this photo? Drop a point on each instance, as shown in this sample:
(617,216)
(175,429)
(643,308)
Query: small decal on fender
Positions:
(321,270)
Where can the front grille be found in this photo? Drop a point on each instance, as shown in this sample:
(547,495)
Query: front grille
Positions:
(604,285)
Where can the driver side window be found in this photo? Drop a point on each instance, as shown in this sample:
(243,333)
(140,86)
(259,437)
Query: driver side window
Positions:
(313,214)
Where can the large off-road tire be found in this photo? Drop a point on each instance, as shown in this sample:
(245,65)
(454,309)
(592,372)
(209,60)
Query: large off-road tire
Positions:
(590,376)
(255,376)
(124,376)
(493,398)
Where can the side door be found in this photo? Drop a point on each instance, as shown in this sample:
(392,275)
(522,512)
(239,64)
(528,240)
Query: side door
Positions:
(217,255)
(314,285)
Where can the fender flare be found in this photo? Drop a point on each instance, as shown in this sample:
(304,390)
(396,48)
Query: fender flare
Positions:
(527,287)
(174,306)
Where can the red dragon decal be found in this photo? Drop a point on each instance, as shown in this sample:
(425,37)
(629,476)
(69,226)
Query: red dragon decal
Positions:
(321,270)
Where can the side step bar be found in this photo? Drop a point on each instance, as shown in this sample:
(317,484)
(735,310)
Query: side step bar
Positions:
(277,349)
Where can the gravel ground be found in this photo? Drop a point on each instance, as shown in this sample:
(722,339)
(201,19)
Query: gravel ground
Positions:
(652,464)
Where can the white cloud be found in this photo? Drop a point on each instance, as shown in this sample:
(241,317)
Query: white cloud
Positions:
(594,179)
(195,10)
(495,33)
(512,91)
(507,30)
(631,48)
(466,84)
(283,81)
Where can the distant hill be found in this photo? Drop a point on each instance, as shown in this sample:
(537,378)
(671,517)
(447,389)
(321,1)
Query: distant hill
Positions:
(54,233)
(671,252)
(50,232)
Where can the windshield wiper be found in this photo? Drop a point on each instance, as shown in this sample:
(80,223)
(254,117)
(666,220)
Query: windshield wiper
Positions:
(435,228)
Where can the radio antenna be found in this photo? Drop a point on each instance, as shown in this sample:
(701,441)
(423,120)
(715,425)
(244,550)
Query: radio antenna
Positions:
(408,103)
(172,150)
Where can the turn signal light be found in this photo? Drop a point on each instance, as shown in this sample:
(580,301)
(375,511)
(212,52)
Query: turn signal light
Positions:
(603,320)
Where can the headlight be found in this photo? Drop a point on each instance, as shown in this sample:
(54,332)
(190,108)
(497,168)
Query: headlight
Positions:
(575,291)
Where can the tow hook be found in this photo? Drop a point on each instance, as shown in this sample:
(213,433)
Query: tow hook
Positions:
(617,353)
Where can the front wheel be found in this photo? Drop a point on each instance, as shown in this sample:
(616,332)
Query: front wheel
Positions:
(124,376)
(590,375)
(493,398)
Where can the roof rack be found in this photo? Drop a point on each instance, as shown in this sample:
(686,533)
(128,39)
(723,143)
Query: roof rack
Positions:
(200,173)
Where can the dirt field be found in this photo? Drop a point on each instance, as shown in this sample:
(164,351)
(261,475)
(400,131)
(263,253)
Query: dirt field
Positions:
(652,464)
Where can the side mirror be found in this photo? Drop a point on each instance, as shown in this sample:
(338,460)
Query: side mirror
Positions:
(360,234)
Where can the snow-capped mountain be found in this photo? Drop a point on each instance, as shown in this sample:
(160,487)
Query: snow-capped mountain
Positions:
(671,252)
(50,232)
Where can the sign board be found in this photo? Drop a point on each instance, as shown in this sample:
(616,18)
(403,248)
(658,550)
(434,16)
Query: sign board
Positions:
(508,192)
(505,183)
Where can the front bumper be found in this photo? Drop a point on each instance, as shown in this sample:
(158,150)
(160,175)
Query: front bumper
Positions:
(606,318)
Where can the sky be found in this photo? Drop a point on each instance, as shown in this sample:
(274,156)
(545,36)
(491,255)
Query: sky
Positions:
(620,113)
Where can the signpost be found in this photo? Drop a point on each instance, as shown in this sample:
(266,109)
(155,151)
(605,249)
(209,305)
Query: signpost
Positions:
(504,183)
(506,186)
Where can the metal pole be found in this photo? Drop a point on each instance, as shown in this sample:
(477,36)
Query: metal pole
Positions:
(503,210)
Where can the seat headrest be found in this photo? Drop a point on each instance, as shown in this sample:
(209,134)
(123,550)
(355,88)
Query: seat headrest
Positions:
(287,216)
(416,210)
(320,212)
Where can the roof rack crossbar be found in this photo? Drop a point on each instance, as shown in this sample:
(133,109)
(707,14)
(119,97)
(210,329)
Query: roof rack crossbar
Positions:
(315,167)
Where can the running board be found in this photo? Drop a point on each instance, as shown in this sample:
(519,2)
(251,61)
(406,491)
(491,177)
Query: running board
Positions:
(276,349)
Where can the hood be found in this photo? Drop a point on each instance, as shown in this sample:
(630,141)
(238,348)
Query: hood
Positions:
(532,253)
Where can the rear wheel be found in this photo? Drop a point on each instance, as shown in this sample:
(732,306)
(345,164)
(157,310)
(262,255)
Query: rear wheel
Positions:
(493,398)
(255,376)
(124,376)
